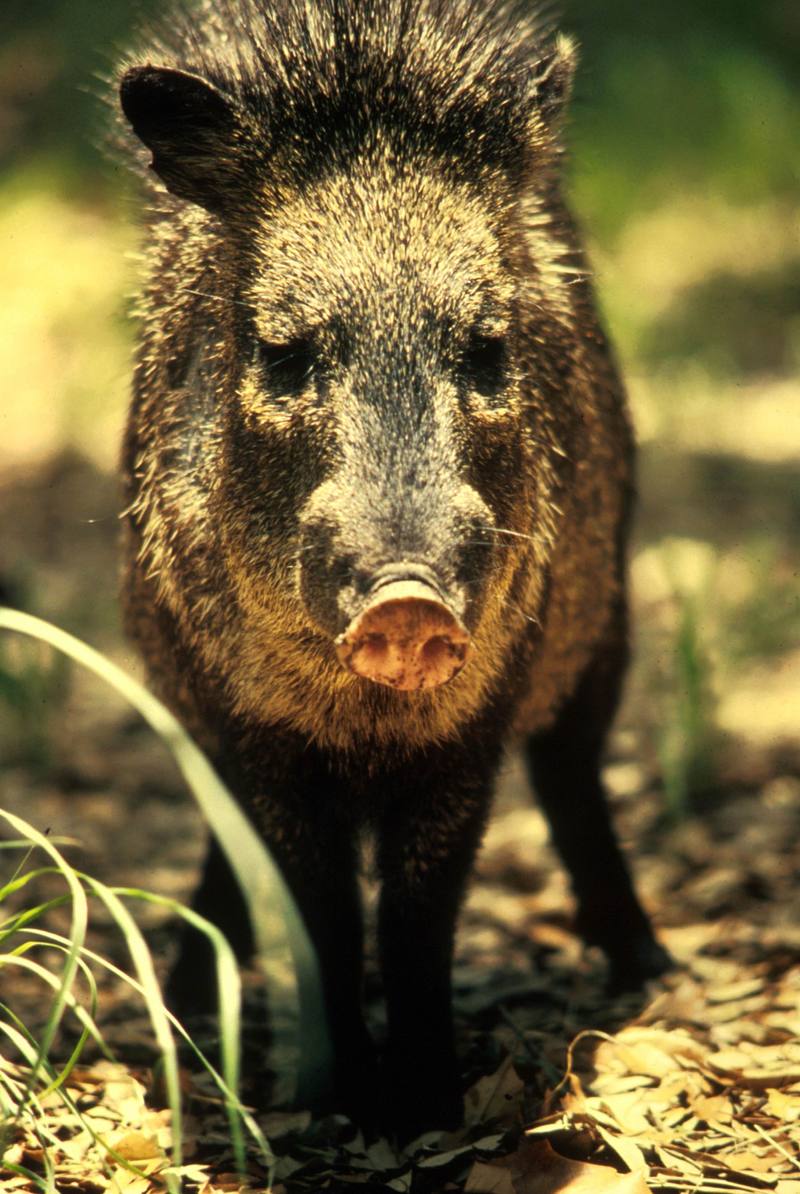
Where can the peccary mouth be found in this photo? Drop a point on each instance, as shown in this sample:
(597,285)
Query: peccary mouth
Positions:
(406,637)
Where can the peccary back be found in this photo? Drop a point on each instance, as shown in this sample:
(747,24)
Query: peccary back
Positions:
(378,469)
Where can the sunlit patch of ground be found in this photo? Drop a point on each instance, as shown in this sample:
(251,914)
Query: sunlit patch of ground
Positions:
(63,335)
(694,412)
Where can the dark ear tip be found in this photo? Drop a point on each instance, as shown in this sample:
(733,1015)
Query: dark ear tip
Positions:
(157,99)
(164,94)
(135,77)
(136,88)
(133,74)
(187,124)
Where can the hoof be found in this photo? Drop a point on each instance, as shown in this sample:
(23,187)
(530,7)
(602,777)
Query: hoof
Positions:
(421,1104)
(642,960)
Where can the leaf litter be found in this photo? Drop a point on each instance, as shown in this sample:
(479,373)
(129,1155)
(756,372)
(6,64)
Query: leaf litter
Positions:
(693,1086)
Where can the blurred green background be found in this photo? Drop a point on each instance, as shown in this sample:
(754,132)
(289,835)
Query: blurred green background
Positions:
(685,145)
(695,95)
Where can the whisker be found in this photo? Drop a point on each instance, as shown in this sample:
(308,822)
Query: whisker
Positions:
(528,617)
(274,364)
(492,543)
(513,605)
(506,531)
(215,298)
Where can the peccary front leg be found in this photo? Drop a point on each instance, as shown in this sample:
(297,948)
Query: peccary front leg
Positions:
(317,856)
(297,804)
(427,843)
(564,764)
(321,871)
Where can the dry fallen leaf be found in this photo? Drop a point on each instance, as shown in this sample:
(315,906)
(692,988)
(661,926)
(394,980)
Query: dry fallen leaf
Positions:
(495,1097)
(785,1107)
(536,1168)
(489,1179)
(135,1146)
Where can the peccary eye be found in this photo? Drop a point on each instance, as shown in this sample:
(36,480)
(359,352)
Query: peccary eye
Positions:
(484,363)
(285,367)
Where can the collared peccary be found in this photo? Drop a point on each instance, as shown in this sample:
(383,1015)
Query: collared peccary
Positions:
(378,470)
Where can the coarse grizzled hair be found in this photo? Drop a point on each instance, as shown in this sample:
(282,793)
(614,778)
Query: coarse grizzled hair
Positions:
(313,82)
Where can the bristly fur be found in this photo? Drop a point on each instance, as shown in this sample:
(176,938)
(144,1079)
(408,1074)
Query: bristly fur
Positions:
(258,51)
(369,343)
(318,78)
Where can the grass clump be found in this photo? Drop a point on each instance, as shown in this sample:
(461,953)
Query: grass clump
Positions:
(688,741)
(28,1088)
(33,684)
(40,1098)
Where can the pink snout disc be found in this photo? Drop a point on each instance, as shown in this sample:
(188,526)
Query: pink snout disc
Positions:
(406,638)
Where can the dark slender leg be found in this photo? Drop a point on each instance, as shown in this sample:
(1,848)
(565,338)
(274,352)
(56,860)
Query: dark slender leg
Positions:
(427,844)
(191,986)
(321,871)
(316,852)
(564,764)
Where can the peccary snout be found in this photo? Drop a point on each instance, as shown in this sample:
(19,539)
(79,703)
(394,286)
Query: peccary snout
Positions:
(405,638)
(397,577)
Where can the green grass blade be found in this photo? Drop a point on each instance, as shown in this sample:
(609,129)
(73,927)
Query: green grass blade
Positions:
(151,992)
(229,989)
(233,1104)
(258,876)
(77,936)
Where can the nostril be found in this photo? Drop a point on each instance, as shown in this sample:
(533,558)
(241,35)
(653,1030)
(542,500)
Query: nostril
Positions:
(436,651)
(374,650)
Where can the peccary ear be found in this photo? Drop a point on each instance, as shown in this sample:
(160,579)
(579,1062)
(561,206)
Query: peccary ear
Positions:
(552,79)
(191,129)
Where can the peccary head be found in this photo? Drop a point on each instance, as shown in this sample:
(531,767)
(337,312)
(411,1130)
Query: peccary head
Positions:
(382,345)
